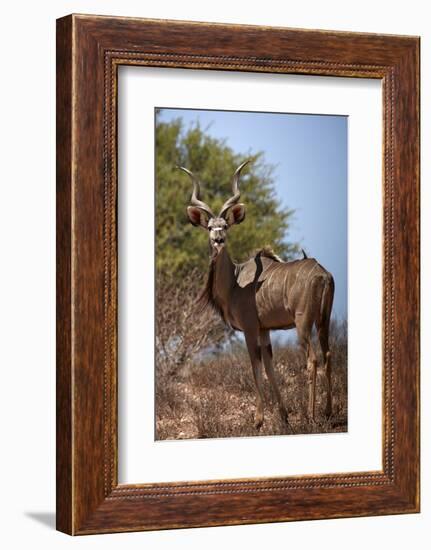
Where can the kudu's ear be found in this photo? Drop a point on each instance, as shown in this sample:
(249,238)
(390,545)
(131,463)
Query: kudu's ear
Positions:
(197,216)
(235,214)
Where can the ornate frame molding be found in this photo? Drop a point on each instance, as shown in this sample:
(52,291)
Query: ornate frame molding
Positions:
(90,49)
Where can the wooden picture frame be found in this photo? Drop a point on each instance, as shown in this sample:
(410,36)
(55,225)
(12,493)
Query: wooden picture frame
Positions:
(89,51)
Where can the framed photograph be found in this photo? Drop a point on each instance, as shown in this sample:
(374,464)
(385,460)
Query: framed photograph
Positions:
(237,274)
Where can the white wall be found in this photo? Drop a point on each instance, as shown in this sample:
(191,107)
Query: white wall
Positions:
(27,311)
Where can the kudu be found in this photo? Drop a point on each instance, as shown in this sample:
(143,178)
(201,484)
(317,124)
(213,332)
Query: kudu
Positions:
(263,294)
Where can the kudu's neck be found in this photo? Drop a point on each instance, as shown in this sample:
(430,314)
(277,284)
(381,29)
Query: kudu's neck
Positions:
(224,278)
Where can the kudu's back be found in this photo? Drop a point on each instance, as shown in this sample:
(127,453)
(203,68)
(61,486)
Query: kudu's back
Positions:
(287,291)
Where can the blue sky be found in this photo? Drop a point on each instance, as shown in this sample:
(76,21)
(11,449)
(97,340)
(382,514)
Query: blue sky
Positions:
(310,156)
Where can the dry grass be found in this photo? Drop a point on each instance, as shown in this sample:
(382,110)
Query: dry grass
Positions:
(181,332)
(214,396)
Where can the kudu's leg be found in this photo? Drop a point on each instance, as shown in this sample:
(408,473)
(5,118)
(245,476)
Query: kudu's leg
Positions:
(265,343)
(255,354)
(323,333)
(304,335)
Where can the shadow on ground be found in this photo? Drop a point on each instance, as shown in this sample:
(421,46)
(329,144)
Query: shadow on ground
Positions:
(45,518)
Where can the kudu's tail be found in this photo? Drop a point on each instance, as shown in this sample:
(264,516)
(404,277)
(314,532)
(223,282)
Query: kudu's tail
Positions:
(326,301)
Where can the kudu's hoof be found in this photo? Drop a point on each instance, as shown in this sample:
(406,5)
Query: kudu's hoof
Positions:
(311,418)
(284,415)
(258,423)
